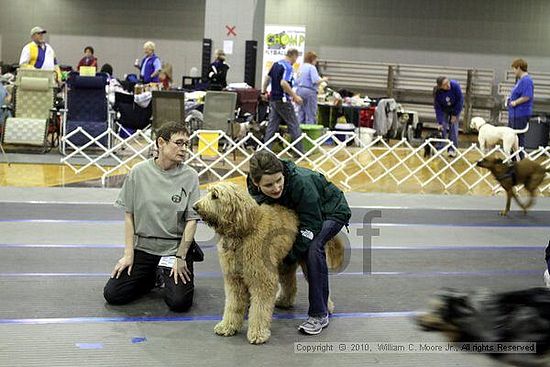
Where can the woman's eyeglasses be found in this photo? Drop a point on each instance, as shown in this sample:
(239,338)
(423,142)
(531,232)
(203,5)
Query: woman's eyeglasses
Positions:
(181,143)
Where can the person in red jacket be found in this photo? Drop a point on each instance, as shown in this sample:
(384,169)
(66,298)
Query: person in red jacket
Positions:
(89,59)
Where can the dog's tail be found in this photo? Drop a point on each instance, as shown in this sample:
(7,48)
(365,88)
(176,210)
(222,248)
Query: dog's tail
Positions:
(335,253)
(522,131)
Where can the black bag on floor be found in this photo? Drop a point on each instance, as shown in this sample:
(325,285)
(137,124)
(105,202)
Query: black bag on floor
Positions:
(537,135)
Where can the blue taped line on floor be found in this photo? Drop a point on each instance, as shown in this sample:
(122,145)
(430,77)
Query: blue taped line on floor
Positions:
(89,345)
(99,320)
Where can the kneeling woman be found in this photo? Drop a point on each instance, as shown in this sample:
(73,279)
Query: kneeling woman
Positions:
(322,210)
(160,223)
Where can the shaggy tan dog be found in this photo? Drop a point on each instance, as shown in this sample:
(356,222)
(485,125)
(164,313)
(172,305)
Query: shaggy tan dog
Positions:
(254,240)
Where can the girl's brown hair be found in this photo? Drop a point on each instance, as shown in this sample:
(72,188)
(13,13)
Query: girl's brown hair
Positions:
(262,163)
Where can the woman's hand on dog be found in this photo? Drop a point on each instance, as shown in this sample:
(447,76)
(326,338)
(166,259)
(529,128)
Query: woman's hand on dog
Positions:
(127,261)
(180,270)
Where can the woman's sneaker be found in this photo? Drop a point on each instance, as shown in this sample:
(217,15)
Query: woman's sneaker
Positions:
(314,325)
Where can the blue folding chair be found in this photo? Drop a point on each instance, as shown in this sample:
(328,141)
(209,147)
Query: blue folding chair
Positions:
(86,106)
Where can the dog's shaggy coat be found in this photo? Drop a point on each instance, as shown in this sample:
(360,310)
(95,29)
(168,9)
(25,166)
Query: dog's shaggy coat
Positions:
(254,239)
(488,317)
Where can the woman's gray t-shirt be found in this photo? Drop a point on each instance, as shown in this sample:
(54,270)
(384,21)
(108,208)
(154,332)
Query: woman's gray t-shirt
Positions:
(161,202)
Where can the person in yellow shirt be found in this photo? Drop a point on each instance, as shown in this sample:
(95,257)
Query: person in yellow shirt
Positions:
(38,54)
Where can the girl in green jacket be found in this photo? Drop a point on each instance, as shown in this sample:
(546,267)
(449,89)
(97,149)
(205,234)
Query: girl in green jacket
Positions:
(322,210)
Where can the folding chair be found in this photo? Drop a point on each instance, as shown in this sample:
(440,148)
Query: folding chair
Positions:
(247,101)
(130,115)
(219,112)
(167,106)
(86,106)
(34,97)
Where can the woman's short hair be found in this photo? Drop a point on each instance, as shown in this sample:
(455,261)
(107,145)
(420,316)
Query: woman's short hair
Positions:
(150,45)
(169,129)
(520,64)
(438,84)
(264,162)
(90,48)
(107,68)
(292,52)
(310,56)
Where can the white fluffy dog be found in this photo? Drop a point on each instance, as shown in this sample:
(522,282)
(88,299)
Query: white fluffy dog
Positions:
(490,135)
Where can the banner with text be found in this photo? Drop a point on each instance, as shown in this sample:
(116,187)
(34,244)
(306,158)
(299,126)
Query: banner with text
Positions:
(278,39)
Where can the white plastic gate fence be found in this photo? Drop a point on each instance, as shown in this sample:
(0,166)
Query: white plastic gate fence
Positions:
(378,161)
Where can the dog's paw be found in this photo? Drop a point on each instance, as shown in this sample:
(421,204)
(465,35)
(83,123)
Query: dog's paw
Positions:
(258,336)
(503,213)
(223,329)
(283,302)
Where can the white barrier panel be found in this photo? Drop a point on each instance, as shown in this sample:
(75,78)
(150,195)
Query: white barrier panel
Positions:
(329,154)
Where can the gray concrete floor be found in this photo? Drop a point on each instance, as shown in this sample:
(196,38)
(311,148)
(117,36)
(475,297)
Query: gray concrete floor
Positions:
(57,247)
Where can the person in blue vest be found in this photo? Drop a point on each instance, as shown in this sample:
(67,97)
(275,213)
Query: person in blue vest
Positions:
(150,66)
(520,102)
(448,104)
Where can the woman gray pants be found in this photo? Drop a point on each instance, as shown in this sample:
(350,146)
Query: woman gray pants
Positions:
(307,112)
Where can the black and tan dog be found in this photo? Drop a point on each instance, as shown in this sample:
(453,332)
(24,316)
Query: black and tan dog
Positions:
(431,149)
(482,316)
(526,172)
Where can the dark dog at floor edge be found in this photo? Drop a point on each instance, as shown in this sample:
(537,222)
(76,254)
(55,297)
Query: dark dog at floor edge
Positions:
(526,172)
(488,317)
(431,149)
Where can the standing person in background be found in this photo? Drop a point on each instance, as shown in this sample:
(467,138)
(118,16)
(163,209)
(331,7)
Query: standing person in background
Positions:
(281,109)
(38,54)
(150,65)
(308,83)
(448,103)
(5,99)
(218,72)
(520,102)
(89,59)
(165,76)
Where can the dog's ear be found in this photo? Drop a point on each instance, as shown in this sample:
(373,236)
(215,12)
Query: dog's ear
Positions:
(214,192)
